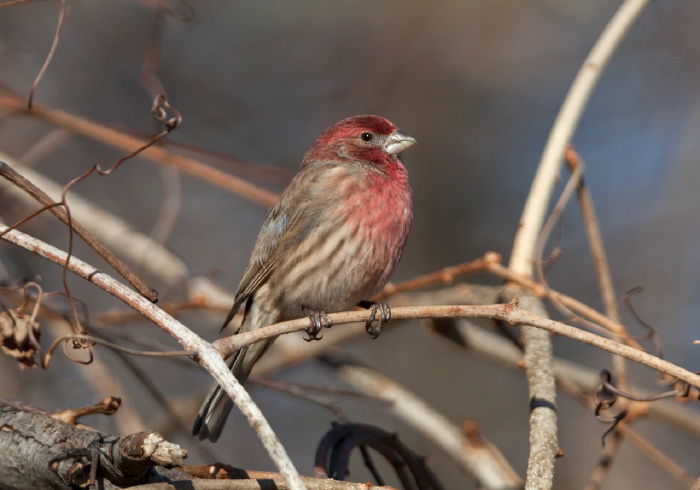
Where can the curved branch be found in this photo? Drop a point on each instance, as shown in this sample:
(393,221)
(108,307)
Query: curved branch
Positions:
(208,356)
(571,110)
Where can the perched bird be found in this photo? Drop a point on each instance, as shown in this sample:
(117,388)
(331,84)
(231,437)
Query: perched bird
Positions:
(330,243)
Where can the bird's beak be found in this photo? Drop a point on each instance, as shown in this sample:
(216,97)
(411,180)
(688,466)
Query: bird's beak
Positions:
(398,141)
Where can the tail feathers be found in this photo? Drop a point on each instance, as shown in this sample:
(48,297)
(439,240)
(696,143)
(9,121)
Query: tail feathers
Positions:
(216,407)
(212,416)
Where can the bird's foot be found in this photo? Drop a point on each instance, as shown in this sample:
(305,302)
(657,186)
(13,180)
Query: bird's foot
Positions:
(384,316)
(317,319)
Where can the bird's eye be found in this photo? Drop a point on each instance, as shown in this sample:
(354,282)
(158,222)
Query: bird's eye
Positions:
(367,136)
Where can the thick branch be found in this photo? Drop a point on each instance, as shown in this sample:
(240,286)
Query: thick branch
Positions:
(40,451)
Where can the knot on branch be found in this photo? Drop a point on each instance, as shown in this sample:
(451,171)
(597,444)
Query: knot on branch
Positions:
(43,452)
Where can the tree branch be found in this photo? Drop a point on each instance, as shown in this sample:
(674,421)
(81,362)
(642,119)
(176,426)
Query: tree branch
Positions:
(127,142)
(208,356)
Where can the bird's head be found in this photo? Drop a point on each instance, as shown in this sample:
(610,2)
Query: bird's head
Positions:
(367,139)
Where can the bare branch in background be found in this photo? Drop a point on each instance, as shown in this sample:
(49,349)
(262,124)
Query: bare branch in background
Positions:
(474,455)
(127,142)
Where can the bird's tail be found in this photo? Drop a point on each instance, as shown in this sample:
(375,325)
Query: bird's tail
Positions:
(216,407)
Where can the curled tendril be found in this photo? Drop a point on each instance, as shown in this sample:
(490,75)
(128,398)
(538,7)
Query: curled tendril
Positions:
(82,341)
(165,113)
(77,344)
(651,331)
(607,393)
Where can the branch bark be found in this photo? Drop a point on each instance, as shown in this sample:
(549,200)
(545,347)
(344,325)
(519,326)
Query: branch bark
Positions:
(40,451)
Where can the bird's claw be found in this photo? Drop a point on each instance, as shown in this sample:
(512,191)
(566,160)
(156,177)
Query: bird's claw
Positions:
(384,317)
(317,319)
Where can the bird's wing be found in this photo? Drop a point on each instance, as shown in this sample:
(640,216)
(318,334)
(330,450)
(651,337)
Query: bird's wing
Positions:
(263,258)
(282,225)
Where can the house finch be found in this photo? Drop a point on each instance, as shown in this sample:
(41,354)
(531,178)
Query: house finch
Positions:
(330,243)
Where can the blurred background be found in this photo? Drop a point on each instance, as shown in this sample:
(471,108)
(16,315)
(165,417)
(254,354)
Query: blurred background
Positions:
(477,83)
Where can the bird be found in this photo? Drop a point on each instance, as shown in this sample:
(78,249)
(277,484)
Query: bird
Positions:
(330,243)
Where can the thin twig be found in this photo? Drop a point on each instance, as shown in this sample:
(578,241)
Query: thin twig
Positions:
(443,276)
(653,452)
(214,477)
(49,57)
(295,390)
(96,340)
(600,261)
(571,303)
(135,247)
(595,242)
(10,3)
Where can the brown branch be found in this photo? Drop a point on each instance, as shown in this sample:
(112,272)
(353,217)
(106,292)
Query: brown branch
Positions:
(595,242)
(230,478)
(127,142)
(653,452)
(571,303)
(106,406)
(10,3)
(443,276)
